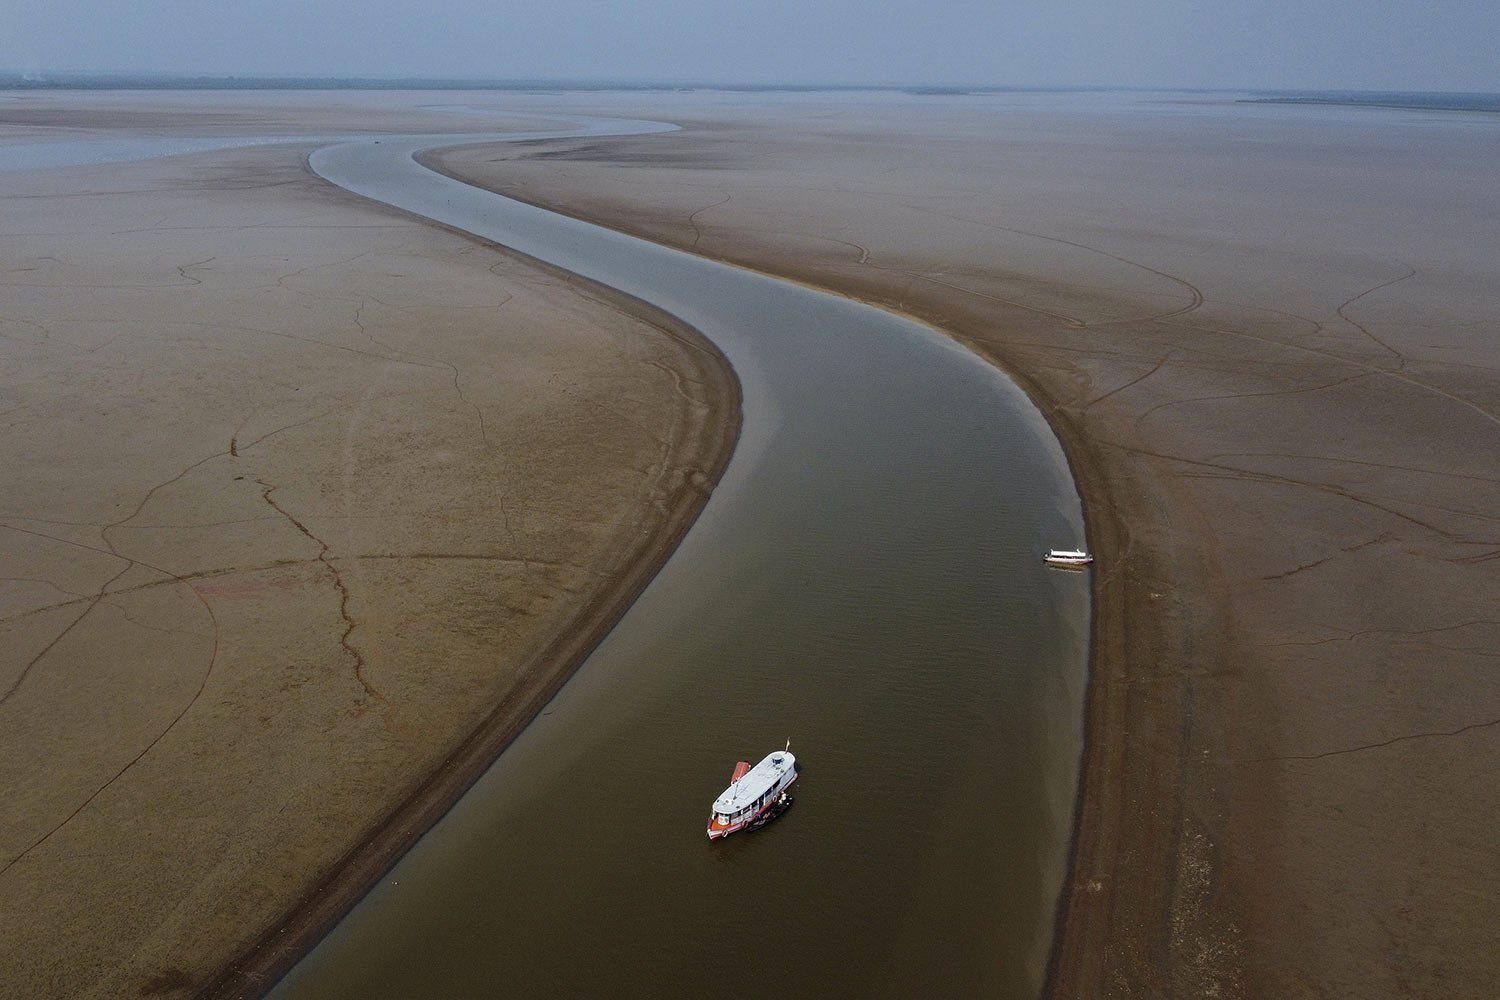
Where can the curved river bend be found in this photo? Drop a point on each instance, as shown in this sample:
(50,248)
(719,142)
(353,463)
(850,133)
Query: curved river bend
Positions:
(865,580)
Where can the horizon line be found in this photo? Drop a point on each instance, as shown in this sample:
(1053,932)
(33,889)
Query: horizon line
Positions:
(13,79)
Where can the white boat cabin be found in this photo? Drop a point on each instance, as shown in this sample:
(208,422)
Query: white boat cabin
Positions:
(752,793)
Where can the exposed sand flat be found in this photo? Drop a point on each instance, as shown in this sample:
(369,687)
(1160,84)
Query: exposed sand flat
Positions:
(1268,340)
(300,495)
(37,115)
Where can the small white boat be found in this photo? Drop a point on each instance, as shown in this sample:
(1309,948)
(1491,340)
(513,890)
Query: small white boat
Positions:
(1068,557)
(755,795)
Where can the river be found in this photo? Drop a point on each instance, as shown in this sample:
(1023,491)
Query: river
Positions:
(866,581)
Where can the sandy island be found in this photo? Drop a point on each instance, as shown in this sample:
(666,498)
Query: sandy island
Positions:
(309,505)
(1267,341)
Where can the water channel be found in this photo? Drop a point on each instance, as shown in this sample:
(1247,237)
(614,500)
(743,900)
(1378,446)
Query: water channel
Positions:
(865,581)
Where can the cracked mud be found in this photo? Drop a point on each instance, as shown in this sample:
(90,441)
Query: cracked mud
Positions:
(301,495)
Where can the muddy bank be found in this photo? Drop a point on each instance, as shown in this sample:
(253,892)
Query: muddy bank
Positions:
(311,506)
(1263,348)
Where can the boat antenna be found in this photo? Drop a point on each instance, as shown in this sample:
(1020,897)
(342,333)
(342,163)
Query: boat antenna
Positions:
(789,743)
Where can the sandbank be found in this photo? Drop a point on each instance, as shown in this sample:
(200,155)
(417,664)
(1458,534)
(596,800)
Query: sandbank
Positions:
(1265,338)
(310,505)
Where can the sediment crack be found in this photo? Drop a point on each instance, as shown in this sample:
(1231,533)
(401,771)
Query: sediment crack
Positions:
(345,641)
(1375,746)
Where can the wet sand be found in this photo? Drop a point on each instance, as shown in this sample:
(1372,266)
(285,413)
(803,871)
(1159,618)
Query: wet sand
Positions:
(1266,337)
(309,506)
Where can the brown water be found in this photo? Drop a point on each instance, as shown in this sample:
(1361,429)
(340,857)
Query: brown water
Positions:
(867,581)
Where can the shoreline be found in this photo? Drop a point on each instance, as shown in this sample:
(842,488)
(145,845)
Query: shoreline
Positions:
(283,944)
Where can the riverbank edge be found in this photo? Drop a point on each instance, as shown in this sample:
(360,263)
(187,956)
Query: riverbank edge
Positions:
(637,556)
(1137,907)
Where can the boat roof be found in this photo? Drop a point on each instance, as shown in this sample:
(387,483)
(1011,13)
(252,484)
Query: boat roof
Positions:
(1066,554)
(757,781)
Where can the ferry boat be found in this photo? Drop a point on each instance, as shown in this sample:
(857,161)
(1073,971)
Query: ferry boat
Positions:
(755,795)
(1068,557)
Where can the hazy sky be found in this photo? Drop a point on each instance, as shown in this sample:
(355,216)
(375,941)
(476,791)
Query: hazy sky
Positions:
(1342,44)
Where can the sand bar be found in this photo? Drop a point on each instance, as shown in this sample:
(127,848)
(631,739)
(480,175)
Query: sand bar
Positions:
(310,504)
